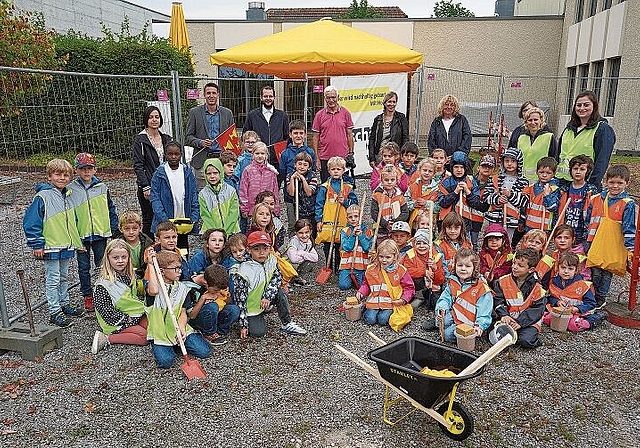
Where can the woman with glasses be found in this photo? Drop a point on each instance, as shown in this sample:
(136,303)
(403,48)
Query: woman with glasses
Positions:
(587,133)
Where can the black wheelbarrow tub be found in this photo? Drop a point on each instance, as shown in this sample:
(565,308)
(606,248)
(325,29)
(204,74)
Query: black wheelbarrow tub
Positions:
(400,362)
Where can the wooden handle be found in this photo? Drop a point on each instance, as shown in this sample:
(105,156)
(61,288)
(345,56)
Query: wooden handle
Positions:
(560,218)
(379,341)
(167,301)
(488,355)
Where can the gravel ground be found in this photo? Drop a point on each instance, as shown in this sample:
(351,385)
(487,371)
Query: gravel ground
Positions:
(285,391)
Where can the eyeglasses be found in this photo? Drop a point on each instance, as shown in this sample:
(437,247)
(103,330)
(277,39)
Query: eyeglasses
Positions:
(175,269)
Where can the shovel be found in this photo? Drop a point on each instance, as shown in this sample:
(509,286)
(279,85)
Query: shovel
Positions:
(353,277)
(297,199)
(324,274)
(191,367)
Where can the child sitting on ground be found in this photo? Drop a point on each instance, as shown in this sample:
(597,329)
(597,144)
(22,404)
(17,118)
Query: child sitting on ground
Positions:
(409,154)
(49,225)
(218,200)
(307,181)
(427,273)
(161,331)
(390,154)
(388,202)
(386,284)
(563,238)
(569,291)
(466,298)
(256,286)
(210,253)
(212,313)
(519,300)
(536,240)
(96,219)
(422,189)
(130,225)
(119,308)
(259,176)
(495,255)
(350,262)
(236,250)
(301,252)
(401,235)
(452,238)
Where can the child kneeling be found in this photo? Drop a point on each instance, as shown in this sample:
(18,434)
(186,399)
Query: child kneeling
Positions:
(161,330)
(466,298)
(386,284)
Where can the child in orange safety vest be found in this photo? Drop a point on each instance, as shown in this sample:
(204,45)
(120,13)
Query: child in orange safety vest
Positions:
(519,299)
(386,284)
(452,238)
(349,261)
(466,298)
(388,202)
(427,273)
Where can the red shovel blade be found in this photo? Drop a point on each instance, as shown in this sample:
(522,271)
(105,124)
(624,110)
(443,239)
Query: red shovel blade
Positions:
(192,368)
(324,274)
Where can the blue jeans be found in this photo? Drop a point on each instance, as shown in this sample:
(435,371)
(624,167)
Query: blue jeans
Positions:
(84,263)
(449,327)
(601,279)
(257,324)
(56,273)
(195,344)
(344,279)
(371,316)
(210,320)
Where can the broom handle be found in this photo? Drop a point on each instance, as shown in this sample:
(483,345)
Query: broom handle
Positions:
(353,258)
(375,234)
(560,218)
(297,199)
(333,232)
(165,296)
(431,230)
(460,203)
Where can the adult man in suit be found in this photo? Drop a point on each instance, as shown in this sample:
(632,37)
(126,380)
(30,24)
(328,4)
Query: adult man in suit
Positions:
(271,125)
(205,123)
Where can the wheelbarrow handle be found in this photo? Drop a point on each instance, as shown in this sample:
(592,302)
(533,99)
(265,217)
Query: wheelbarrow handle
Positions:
(488,355)
(378,340)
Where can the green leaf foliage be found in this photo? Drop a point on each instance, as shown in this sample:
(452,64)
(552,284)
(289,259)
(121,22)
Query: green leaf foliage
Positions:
(446,8)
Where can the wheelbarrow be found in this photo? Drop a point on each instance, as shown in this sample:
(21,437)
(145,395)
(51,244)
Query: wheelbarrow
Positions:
(399,364)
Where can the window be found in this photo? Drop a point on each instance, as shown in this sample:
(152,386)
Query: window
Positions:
(606,4)
(593,7)
(240,95)
(584,78)
(571,85)
(612,91)
(596,82)
(579,10)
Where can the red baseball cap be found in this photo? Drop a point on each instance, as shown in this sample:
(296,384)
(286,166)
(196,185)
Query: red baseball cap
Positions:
(84,159)
(257,238)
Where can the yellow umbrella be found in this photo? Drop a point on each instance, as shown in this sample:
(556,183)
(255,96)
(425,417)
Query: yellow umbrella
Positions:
(178,36)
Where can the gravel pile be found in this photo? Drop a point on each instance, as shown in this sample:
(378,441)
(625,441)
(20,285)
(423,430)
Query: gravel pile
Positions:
(286,391)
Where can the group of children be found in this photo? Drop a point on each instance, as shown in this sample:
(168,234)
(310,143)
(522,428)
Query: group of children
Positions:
(423,246)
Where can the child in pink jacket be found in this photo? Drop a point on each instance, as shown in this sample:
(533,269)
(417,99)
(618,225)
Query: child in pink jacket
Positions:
(258,176)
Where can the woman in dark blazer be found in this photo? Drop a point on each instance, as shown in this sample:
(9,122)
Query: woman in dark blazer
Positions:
(450,129)
(148,153)
(389,126)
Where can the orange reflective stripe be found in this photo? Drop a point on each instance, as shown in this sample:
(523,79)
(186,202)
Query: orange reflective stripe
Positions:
(572,293)
(464,302)
(536,210)
(516,302)
(380,296)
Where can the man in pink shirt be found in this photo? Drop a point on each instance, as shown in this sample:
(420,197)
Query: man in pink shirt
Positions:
(332,131)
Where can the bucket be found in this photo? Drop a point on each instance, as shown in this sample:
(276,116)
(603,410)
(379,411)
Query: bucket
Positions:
(560,322)
(352,312)
(466,343)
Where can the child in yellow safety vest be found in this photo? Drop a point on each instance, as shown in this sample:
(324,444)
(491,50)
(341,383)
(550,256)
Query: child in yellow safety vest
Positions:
(386,284)
(351,262)
(466,298)
(519,299)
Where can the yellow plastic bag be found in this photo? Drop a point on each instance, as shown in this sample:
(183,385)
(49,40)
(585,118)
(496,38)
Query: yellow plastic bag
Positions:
(286,268)
(607,249)
(401,316)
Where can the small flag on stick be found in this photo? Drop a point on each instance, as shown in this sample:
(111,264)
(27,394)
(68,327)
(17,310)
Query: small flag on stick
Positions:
(228,140)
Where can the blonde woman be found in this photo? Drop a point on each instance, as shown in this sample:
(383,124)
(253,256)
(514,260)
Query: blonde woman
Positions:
(536,142)
(450,129)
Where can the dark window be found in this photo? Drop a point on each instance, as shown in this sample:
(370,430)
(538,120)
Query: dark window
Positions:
(612,91)
(606,4)
(596,82)
(584,77)
(571,85)
(593,7)
(579,10)
(240,95)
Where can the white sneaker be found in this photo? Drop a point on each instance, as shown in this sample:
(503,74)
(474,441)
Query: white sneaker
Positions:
(293,328)
(100,342)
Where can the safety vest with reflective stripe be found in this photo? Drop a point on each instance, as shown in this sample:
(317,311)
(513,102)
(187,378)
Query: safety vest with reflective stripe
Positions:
(532,152)
(416,265)
(516,303)
(466,210)
(124,299)
(361,259)
(464,302)
(573,293)
(160,329)
(449,251)
(380,296)
(258,276)
(329,212)
(573,145)
(92,209)
(544,265)
(477,215)
(386,202)
(418,190)
(59,222)
(512,210)
(536,209)
(614,212)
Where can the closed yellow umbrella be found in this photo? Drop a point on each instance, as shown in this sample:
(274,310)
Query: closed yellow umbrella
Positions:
(178,36)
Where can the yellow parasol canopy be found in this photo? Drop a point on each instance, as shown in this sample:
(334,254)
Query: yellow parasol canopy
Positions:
(321,48)
(178,36)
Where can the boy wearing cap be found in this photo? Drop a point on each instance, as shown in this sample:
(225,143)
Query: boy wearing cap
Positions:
(256,286)
(96,217)
(485,171)
(401,235)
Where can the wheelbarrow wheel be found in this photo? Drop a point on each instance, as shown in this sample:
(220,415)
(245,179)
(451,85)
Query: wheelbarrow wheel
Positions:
(461,421)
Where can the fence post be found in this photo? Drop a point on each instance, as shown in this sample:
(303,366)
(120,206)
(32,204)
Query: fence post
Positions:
(500,97)
(420,72)
(177,108)
(306,99)
(3,306)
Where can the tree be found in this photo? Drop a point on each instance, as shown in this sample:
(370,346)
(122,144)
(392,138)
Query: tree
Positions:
(24,43)
(446,8)
(361,10)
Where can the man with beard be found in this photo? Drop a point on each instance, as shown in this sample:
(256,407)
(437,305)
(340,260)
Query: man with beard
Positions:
(271,124)
(204,125)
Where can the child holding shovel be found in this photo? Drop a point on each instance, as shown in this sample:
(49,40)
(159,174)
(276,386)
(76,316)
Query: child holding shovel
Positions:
(161,330)
(300,192)
(355,242)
